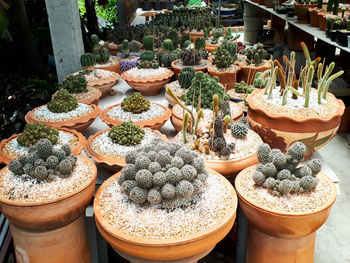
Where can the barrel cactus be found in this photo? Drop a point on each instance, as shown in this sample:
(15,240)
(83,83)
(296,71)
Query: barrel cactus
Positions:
(136,103)
(147,60)
(190,57)
(87,61)
(62,102)
(147,56)
(185,77)
(148,43)
(75,83)
(168,45)
(33,132)
(127,134)
(135,46)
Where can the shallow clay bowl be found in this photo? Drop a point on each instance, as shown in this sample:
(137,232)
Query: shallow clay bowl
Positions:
(75,150)
(88,100)
(80,124)
(114,67)
(189,248)
(177,69)
(154,124)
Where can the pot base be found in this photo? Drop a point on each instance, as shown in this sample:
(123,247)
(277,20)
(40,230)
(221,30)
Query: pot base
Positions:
(262,248)
(65,244)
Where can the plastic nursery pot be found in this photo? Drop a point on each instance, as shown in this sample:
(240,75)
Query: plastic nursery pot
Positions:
(189,248)
(331,34)
(80,124)
(283,236)
(112,66)
(226,77)
(111,163)
(268,3)
(6,155)
(154,124)
(302,12)
(90,97)
(51,231)
(247,72)
(281,130)
(177,69)
(148,86)
(342,37)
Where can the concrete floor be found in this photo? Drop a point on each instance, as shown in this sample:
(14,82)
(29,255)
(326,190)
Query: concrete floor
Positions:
(333,238)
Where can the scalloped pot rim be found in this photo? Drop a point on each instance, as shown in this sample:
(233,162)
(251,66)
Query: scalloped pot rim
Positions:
(272,115)
(168,75)
(59,199)
(115,232)
(246,199)
(101,82)
(209,63)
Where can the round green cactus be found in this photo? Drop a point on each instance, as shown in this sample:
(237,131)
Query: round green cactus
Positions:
(136,103)
(88,61)
(34,132)
(185,77)
(75,83)
(135,46)
(94,39)
(126,133)
(62,102)
(147,56)
(148,43)
(168,45)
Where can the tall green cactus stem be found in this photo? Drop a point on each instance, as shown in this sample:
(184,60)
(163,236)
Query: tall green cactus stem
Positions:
(270,72)
(323,81)
(319,79)
(199,43)
(215,106)
(226,121)
(296,92)
(200,115)
(184,127)
(284,97)
(272,82)
(306,53)
(228,33)
(148,43)
(330,5)
(343,12)
(329,80)
(310,75)
(207,32)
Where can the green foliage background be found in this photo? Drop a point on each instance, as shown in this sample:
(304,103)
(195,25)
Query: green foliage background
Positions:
(108,12)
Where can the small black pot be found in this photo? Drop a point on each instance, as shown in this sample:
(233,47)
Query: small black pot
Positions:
(342,37)
(331,34)
(281,10)
(169,5)
(146,6)
(158,5)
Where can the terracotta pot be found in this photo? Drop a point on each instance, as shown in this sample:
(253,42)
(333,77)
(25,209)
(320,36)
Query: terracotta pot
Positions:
(280,131)
(268,3)
(6,157)
(247,72)
(91,99)
(80,124)
(154,124)
(148,86)
(177,120)
(114,67)
(302,12)
(323,23)
(113,48)
(170,99)
(211,47)
(314,21)
(113,164)
(51,231)
(226,78)
(260,2)
(195,35)
(283,236)
(177,69)
(104,85)
(189,248)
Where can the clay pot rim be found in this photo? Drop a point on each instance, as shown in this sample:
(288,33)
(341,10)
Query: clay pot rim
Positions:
(242,64)
(77,150)
(169,73)
(257,206)
(102,66)
(339,112)
(235,69)
(68,123)
(52,201)
(113,231)
(149,123)
(87,100)
(107,160)
(173,65)
(101,82)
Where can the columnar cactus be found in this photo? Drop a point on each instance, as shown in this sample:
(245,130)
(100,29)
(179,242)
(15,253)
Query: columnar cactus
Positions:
(125,48)
(33,132)
(148,43)
(190,57)
(62,102)
(136,103)
(127,134)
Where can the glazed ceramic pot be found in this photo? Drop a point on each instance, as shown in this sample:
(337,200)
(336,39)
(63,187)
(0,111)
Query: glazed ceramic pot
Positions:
(113,66)
(154,124)
(6,155)
(280,131)
(80,124)
(51,231)
(90,97)
(148,86)
(111,163)
(188,248)
(247,72)
(283,236)
(177,69)
(226,77)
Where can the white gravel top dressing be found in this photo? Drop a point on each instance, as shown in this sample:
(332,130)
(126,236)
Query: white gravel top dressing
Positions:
(104,145)
(176,88)
(98,74)
(202,63)
(43,113)
(231,68)
(146,73)
(153,222)
(305,202)
(110,62)
(118,113)
(26,189)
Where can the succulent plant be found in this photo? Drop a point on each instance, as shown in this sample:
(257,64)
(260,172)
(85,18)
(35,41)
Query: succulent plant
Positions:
(256,54)
(148,43)
(174,37)
(172,180)
(100,51)
(125,48)
(135,46)
(147,56)
(199,43)
(41,163)
(239,130)
(62,102)
(127,134)
(223,58)
(186,44)
(136,103)
(242,87)
(147,60)
(185,77)
(75,83)
(190,57)
(87,61)
(32,133)
(279,172)
(168,45)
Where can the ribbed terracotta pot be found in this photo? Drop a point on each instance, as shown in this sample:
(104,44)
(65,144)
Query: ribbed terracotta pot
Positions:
(195,35)
(115,67)
(80,124)
(280,131)
(226,78)
(112,164)
(211,47)
(90,99)
(187,249)
(281,236)
(51,231)
(148,86)
(6,156)
(154,124)
(177,69)
(247,72)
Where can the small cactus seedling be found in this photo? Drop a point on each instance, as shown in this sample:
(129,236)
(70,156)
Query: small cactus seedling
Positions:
(136,103)
(75,83)
(100,51)
(127,134)
(33,132)
(223,58)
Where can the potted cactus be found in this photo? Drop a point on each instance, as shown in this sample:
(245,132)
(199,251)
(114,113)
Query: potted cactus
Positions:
(295,111)
(148,77)
(64,111)
(255,62)
(342,34)
(109,147)
(126,59)
(148,43)
(137,109)
(44,195)
(168,53)
(284,203)
(301,10)
(164,193)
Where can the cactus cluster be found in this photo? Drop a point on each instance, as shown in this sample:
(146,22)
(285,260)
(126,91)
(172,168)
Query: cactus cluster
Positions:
(217,141)
(44,163)
(223,58)
(87,61)
(75,83)
(136,103)
(186,76)
(256,54)
(127,134)
(242,87)
(33,132)
(279,173)
(135,46)
(62,102)
(100,51)
(190,57)
(168,175)
(147,60)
